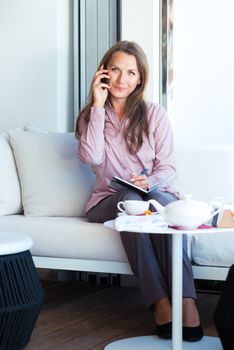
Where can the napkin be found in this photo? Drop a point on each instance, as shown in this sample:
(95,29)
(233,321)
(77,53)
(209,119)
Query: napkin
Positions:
(125,222)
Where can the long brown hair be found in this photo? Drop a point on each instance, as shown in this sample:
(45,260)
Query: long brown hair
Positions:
(135,108)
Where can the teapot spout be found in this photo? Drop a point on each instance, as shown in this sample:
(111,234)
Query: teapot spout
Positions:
(157,206)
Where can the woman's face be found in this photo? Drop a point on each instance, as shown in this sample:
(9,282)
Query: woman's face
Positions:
(124,75)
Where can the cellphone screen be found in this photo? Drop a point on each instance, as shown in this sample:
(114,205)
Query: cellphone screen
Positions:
(104,80)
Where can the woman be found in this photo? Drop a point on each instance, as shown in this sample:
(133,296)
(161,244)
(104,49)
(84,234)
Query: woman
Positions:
(121,134)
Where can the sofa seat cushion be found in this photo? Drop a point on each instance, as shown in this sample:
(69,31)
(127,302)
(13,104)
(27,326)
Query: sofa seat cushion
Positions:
(67,237)
(213,250)
(76,238)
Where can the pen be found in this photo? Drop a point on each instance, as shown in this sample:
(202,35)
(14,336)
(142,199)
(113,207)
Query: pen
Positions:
(144,171)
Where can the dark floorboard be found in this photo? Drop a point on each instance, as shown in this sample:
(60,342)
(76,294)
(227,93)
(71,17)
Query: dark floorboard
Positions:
(80,315)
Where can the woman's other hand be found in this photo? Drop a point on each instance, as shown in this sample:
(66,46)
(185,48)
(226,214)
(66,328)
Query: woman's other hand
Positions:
(100,88)
(140,181)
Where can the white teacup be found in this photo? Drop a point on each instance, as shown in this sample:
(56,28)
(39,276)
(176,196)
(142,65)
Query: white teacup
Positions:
(133,207)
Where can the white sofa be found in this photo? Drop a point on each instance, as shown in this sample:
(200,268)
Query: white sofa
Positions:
(44,188)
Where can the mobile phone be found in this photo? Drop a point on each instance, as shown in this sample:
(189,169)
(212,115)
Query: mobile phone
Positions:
(105,80)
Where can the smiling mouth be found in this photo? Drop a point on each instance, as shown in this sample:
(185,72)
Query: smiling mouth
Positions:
(120,88)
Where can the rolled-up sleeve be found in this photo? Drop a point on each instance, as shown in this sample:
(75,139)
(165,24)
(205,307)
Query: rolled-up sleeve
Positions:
(165,165)
(91,145)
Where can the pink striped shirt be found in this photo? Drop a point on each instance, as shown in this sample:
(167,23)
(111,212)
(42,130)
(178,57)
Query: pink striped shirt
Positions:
(102,145)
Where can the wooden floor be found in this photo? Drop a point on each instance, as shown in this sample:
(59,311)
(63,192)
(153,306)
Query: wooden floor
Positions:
(84,316)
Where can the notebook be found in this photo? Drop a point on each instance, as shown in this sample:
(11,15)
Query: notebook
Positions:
(117,184)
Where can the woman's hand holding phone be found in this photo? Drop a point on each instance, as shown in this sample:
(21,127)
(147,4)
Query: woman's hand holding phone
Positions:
(100,87)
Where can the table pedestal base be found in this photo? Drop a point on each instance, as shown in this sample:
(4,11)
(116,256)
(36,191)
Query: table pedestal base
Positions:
(152,342)
(21,298)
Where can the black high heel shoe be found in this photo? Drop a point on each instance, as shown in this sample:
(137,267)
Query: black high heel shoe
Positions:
(192,333)
(164,330)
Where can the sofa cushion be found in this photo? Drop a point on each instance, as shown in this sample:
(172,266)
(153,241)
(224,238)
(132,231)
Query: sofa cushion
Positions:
(213,249)
(75,238)
(33,128)
(10,196)
(67,237)
(53,180)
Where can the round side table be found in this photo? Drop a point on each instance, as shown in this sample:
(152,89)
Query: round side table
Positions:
(154,342)
(21,294)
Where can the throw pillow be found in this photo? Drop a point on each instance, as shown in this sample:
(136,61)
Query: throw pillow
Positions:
(54,182)
(33,128)
(10,196)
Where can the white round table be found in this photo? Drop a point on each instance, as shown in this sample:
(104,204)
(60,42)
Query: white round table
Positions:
(12,243)
(154,342)
(21,294)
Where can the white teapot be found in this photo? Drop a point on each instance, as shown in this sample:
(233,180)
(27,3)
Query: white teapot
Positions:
(187,213)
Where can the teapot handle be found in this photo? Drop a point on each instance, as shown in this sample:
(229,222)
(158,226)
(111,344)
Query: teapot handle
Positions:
(217,203)
(214,213)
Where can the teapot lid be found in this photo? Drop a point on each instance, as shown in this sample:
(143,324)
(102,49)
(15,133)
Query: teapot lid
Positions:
(187,202)
(185,197)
